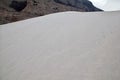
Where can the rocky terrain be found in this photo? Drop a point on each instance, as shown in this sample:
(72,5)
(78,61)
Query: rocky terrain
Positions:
(15,10)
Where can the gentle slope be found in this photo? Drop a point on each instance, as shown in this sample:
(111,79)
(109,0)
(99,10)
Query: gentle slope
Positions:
(62,46)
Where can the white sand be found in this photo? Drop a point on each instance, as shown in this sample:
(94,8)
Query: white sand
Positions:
(62,46)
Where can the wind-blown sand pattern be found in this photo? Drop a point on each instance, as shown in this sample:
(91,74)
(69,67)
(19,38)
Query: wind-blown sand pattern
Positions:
(62,46)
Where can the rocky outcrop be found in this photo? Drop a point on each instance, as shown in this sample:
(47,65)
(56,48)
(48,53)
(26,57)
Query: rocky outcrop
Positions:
(79,4)
(14,10)
(18,5)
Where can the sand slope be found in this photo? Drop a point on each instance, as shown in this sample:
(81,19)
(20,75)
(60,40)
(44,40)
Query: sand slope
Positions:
(62,46)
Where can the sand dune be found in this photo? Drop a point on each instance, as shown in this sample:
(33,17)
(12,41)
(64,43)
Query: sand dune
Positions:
(62,46)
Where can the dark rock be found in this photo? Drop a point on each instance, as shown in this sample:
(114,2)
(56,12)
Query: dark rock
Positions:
(18,5)
(35,3)
(79,4)
(90,6)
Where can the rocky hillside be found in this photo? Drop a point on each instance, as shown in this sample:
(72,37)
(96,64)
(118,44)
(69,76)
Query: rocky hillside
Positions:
(14,10)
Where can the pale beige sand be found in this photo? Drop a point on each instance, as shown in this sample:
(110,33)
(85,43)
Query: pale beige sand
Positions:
(62,46)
